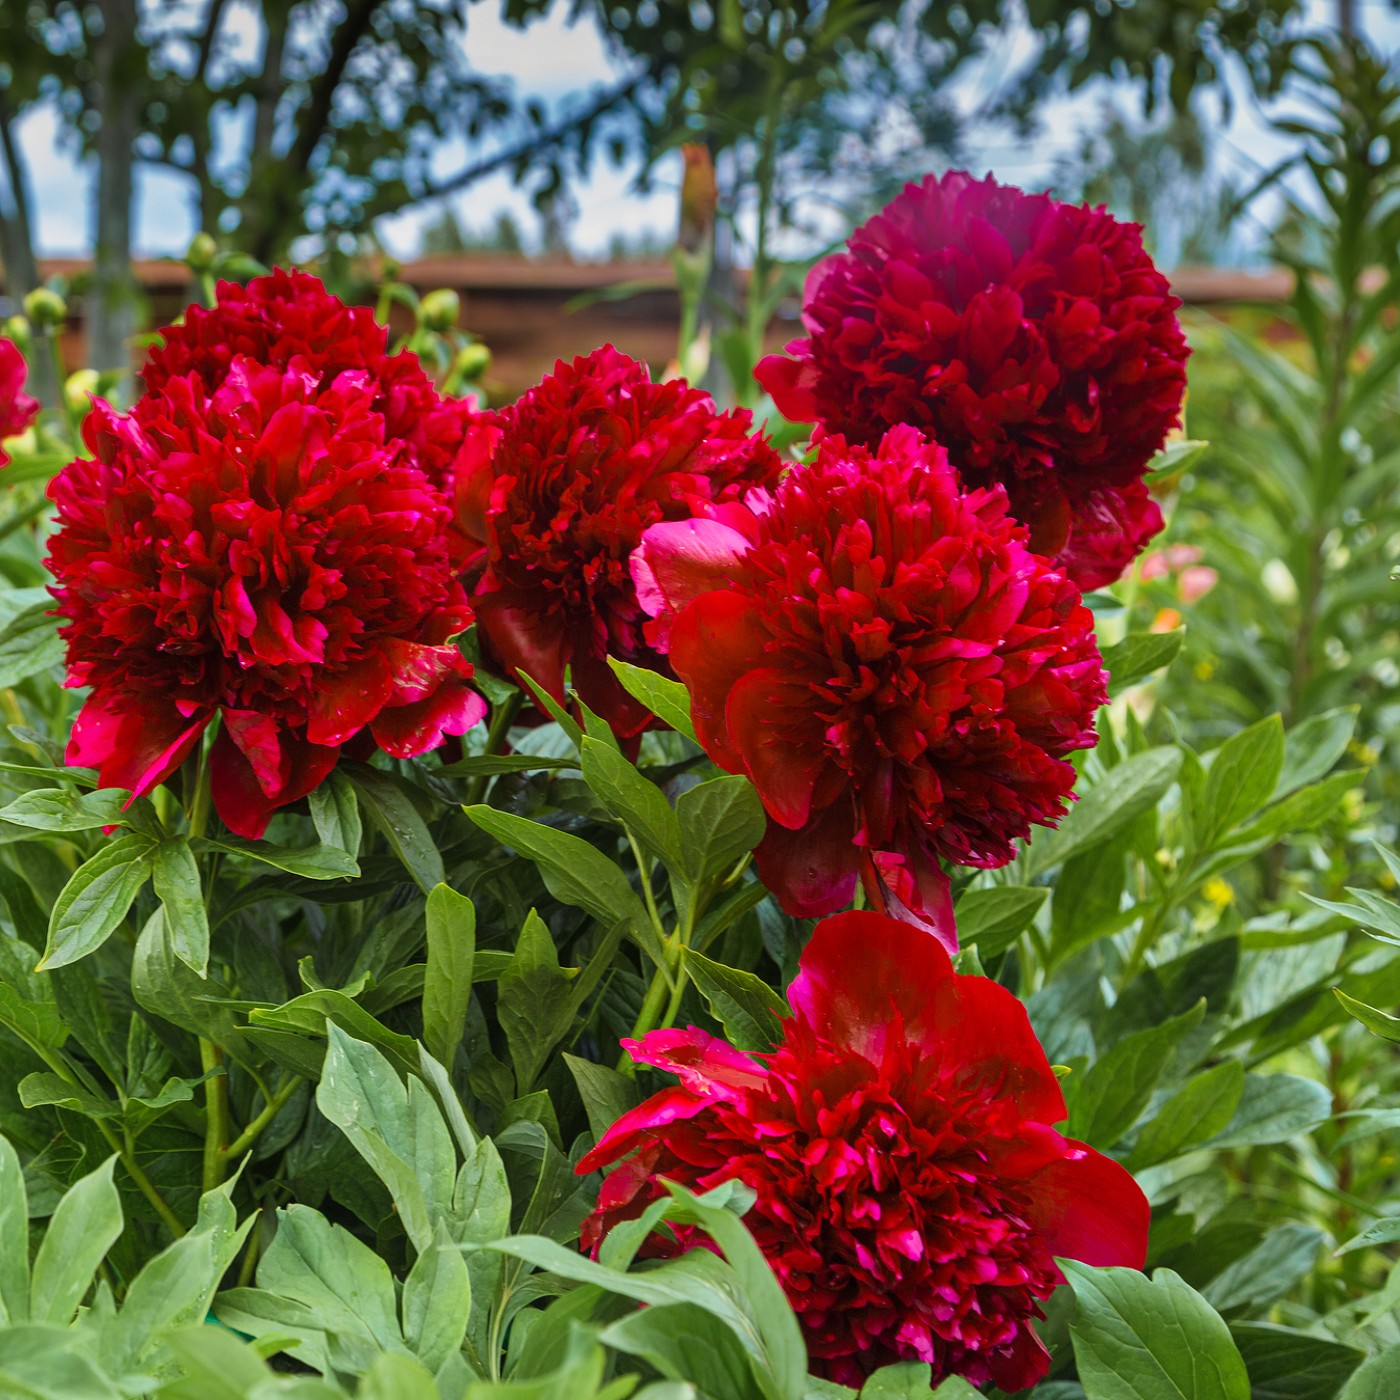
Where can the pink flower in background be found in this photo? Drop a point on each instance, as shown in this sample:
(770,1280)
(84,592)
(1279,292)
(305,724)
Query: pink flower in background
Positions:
(17,409)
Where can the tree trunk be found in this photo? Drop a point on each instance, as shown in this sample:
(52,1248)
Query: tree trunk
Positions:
(17,249)
(112,305)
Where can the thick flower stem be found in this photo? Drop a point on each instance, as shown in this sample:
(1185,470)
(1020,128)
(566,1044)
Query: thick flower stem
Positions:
(662,1001)
(217,1127)
(248,1137)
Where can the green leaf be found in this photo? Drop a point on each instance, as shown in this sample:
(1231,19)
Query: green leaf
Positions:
(387,800)
(1312,748)
(336,812)
(14,1239)
(175,876)
(310,862)
(994,918)
(307,1015)
(1110,1096)
(399,1131)
(46,1089)
(437,1301)
(345,1285)
(1267,1272)
(721,820)
(606,1094)
(1377,1379)
(1136,1340)
(83,1228)
(1274,1108)
(1288,1365)
(62,809)
(96,899)
(29,643)
(1202,1107)
(634,799)
(1379,1023)
(447,979)
(1138,655)
(750,1011)
(534,1002)
(667,700)
(396,1377)
(1105,809)
(573,871)
(1382,1232)
(489,765)
(1242,775)
(684,1342)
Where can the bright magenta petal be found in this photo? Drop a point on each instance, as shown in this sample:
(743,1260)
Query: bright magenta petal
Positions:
(792,384)
(679,560)
(404,731)
(1090,1209)
(669,1106)
(811,871)
(151,744)
(703,1063)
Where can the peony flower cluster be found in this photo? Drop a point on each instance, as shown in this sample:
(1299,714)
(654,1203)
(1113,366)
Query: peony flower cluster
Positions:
(17,409)
(558,490)
(1035,340)
(254,543)
(912,1192)
(882,654)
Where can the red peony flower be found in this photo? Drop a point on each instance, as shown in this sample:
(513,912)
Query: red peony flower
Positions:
(912,1193)
(559,488)
(887,660)
(261,550)
(17,409)
(288,319)
(1034,339)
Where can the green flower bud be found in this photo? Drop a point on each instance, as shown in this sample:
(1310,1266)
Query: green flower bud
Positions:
(440,309)
(45,308)
(78,386)
(202,252)
(472,362)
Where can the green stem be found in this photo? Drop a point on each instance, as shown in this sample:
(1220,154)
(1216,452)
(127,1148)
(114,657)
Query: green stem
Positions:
(73,420)
(21,518)
(217,1126)
(245,1140)
(201,802)
(502,717)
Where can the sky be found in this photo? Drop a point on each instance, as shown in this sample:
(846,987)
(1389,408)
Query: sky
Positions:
(554,61)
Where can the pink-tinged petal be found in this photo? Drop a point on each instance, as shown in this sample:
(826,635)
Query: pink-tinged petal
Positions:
(669,1106)
(239,799)
(679,560)
(152,741)
(702,1062)
(405,731)
(791,383)
(344,703)
(760,715)
(526,638)
(1089,1208)
(473,478)
(913,888)
(259,740)
(714,642)
(865,977)
(95,731)
(811,871)
(419,670)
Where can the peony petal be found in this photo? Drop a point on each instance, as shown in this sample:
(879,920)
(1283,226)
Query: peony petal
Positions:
(526,637)
(152,741)
(760,715)
(95,731)
(349,699)
(239,798)
(702,1062)
(405,731)
(713,643)
(1090,1209)
(791,383)
(914,888)
(811,871)
(679,560)
(669,1106)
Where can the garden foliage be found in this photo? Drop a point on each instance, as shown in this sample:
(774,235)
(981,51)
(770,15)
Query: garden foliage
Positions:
(453,794)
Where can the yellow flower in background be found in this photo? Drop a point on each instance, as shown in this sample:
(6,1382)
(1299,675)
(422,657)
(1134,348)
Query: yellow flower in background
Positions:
(1219,892)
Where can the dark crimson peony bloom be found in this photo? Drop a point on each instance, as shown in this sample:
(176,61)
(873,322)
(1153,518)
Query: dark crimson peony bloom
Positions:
(17,409)
(260,550)
(558,489)
(912,1193)
(288,319)
(887,660)
(1034,339)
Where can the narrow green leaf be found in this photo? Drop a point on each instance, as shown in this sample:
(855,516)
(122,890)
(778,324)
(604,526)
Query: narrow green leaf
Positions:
(668,700)
(83,1228)
(1138,655)
(310,862)
(447,979)
(336,812)
(1379,1023)
(1202,1107)
(14,1239)
(533,1004)
(175,876)
(62,809)
(750,1011)
(634,799)
(437,1301)
(1242,775)
(994,918)
(390,806)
